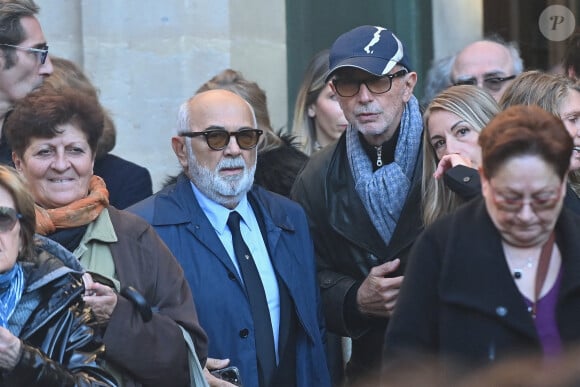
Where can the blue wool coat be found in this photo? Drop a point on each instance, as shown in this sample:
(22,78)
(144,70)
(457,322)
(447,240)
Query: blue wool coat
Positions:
(222,307)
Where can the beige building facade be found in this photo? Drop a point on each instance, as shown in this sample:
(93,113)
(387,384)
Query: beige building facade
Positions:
(147,57)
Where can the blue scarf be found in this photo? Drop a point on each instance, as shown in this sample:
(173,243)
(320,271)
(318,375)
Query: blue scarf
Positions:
(384,191)
(11,288)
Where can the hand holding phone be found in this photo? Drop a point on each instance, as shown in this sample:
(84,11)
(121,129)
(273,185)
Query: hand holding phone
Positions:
(229,374)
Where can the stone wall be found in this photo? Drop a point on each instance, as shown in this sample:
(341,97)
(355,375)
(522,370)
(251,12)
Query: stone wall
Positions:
(147,57)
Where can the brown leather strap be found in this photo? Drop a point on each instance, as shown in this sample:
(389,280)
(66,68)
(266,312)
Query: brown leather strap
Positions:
(542,272)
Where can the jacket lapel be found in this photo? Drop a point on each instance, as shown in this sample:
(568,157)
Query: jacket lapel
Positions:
(274,222)
(345,207)
(277,223)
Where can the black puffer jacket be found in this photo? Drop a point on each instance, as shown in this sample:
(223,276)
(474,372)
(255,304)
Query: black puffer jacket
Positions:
(58,346)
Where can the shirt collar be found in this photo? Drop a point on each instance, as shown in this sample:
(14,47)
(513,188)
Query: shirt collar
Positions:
(218,214)
(101,229)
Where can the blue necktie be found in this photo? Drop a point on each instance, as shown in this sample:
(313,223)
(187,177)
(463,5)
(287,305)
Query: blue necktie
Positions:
(257,298)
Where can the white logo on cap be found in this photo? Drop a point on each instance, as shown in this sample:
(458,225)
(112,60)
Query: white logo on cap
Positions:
(374,40)
(396,58)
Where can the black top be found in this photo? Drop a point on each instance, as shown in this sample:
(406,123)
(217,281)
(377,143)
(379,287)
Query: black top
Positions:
(387,150)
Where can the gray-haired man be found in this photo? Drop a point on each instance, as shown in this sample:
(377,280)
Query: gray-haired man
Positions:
(362,194)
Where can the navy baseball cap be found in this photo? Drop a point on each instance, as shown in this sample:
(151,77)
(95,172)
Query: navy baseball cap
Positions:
(373,49)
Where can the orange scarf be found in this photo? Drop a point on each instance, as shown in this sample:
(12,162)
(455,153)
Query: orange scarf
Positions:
(78,213)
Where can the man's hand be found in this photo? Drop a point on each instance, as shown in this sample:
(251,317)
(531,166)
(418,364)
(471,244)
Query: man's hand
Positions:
(377,295)
(216,364)
(450,161)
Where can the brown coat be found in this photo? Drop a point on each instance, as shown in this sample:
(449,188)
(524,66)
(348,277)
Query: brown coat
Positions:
(155,350)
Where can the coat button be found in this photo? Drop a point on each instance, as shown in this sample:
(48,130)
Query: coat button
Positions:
(231,276)
(466,179)
(244,333)
(501,311)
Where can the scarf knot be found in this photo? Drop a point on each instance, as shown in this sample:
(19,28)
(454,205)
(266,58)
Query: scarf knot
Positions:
(77,213)
(384,191)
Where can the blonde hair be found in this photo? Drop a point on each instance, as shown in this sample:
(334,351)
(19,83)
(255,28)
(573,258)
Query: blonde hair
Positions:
(547,91)
(303,126)
(537,88)
(473,105)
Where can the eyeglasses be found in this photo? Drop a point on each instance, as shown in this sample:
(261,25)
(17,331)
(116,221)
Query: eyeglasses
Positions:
(218,139)
(346,87)
(41,52)
(539,202)
(8,218)
(491,83)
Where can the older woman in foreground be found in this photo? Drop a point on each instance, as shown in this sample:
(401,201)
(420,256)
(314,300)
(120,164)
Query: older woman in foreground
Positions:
(43,337)
(137,289)
(500,276)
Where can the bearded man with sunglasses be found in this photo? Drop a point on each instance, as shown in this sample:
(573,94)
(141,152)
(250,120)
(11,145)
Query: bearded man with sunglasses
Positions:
(24,61)
(362,195)
(246,252)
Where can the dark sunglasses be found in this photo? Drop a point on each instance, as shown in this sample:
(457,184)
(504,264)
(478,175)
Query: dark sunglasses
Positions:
(218,139)
(346,87)
(8,218)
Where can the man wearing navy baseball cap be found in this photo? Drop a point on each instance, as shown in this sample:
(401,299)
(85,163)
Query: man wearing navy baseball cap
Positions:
(362,195)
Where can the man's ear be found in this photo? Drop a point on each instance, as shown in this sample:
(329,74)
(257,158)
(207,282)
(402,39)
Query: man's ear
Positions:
(178,145)
(410,82)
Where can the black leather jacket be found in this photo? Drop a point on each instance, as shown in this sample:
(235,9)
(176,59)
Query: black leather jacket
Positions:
(58,346)
(348,246)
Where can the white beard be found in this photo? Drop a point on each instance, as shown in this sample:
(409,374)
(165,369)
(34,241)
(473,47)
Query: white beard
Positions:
(225,190)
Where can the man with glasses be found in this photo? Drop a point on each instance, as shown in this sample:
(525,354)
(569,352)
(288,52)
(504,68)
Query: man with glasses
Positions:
(491,64)
(246,252)
(362,194)
(24,61)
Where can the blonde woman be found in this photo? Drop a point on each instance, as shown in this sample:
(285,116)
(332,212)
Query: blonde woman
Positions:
(451,154)
(318,119)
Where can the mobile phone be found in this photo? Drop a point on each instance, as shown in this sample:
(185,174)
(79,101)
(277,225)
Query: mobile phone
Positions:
(229,374)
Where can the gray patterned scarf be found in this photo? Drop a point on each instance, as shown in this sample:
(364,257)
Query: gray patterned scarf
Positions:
(384,192)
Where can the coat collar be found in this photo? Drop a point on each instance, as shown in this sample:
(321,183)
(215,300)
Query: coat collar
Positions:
(177,205)
(346,209)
